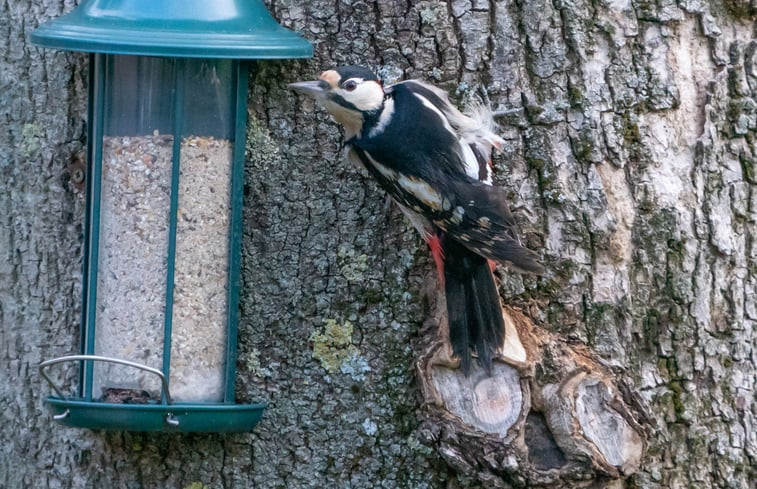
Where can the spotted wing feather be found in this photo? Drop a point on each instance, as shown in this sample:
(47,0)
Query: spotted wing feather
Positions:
(481,221)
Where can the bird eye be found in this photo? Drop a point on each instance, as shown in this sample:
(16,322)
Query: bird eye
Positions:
(350,85)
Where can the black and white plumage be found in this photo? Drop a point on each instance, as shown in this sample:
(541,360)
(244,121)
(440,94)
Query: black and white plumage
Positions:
(436,164)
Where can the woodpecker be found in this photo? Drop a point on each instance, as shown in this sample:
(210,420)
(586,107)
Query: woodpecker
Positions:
(435,162)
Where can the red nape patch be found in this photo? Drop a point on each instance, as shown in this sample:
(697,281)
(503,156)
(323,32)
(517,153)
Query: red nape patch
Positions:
(435,244)
(492,265)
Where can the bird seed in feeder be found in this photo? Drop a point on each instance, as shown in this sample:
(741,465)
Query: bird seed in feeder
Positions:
(133,264)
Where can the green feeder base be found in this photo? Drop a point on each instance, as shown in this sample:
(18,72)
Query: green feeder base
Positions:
(175,417)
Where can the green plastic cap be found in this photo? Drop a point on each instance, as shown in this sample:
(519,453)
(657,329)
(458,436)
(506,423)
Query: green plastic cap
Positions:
(241,29)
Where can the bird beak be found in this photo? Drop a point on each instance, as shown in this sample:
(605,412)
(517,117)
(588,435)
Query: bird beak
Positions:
(316,88)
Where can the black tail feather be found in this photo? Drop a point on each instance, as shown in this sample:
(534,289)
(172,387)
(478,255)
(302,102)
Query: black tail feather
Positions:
(457,314)
(473,308)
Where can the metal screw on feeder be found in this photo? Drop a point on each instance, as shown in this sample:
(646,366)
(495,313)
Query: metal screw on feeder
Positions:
(165,167)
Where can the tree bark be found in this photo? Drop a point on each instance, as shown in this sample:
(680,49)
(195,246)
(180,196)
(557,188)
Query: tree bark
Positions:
(630,163)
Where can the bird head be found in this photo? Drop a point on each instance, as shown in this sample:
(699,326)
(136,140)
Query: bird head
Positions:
(349,93)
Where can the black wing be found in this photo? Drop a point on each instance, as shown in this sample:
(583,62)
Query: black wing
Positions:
(471,212)
(418,141)
(418,159)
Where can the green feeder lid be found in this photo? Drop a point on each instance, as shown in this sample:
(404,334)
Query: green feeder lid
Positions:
(241,29)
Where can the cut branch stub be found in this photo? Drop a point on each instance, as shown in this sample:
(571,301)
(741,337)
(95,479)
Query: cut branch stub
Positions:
(549,414)
(583,417)
(491,404)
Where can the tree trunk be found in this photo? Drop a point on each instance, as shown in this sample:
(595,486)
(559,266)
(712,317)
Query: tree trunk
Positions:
(630,162)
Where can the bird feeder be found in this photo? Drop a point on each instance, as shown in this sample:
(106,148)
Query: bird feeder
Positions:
(164,181)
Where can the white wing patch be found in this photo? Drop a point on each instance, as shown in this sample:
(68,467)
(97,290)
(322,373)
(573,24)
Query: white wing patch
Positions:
(475,129)
(422,191)
(416,187)
(438,112)
(470,161)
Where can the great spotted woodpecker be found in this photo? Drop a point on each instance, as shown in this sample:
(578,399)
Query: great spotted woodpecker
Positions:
(436,164)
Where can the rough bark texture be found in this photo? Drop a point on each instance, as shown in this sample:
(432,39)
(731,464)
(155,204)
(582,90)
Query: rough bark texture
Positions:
(630,130)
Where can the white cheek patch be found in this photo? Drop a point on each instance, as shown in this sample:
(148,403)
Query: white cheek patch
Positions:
(366,97)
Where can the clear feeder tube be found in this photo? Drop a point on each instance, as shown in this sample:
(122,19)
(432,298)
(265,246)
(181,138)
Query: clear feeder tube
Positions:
(162,279)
